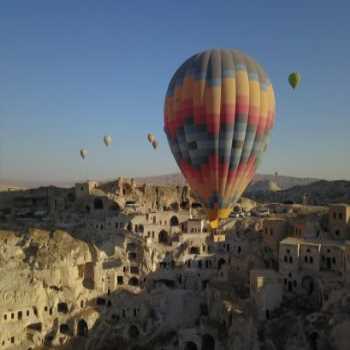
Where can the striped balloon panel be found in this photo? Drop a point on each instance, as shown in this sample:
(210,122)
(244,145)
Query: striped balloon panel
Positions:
(219,110)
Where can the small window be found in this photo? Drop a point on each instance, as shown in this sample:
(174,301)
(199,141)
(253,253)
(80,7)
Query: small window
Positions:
(311,260)
(291,260)
(19,315)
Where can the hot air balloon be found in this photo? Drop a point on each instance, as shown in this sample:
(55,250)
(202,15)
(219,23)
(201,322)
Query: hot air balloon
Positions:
(83,153)
(107,140)
(150,138)
(294,79)
(218,114)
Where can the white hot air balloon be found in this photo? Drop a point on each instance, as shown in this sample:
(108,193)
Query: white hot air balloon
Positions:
(107,140)
(83,153)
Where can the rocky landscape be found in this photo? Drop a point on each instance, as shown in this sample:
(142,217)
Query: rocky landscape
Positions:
(128,265)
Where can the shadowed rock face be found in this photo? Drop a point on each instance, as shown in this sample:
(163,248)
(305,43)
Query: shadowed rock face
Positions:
(136,272)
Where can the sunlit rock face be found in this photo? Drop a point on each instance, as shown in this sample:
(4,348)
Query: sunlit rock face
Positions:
(126,266)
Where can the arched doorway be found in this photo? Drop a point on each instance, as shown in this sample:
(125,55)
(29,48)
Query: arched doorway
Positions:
(208,342)
(82,328)
(190,346)
(163,237)
(133,281)
(174,221)
(98,204)
(220,263)
(133,332)
(307,284)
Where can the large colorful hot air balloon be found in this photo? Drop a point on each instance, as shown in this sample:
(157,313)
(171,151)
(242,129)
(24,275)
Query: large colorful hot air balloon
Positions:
(219,111)
(107,140)
(294,79)
(83,153)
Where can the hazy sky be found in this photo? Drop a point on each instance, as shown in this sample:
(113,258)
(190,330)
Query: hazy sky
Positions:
(72,71)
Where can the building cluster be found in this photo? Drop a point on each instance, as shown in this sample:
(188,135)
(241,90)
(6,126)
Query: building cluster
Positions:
(132,265)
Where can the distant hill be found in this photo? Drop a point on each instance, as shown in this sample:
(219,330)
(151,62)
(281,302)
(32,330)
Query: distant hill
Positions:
(259,182)
(321,192)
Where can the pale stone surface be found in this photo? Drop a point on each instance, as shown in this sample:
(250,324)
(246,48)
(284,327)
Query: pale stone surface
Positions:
(128,266)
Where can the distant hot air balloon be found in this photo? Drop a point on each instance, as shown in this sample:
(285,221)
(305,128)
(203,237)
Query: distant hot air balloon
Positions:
(107,140)
(218,114)
(150,138)
(155,144)
(83,153)
(294,79)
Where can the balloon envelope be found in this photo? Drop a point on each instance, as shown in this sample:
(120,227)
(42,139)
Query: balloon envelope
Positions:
(107,140)
(150,138)
(218,114)
(83,153)
(294,79)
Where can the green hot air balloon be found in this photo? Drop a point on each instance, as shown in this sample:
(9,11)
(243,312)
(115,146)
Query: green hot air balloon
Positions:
(294,79)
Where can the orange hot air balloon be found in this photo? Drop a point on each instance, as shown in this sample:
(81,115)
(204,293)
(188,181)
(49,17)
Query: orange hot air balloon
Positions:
(219,111)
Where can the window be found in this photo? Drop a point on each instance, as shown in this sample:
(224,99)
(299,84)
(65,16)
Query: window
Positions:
(334,215)
(291,260)
(28,312)
(333,260)
(340,216)
(120,280)
(285,259)
(62,307)
(311,259)
(337,232)
(19,315)
(306,259)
